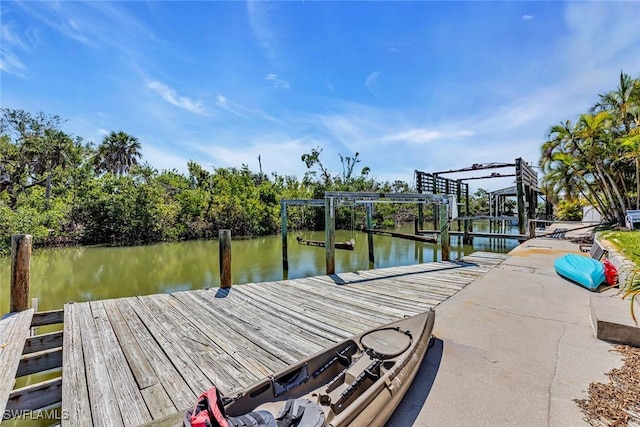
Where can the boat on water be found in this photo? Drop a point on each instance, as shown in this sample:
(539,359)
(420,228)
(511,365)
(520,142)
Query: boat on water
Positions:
(580,269)
(357,382)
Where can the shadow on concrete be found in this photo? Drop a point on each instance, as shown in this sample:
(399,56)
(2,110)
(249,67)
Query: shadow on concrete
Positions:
(407,411)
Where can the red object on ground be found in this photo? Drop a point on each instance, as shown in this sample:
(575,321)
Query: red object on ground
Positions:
(610,272)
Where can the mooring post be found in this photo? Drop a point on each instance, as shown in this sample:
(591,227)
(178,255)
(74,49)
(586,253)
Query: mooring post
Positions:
(520,194)
(283,220)
(444,231)
(20,265)
(532,228)
(224,238)
(420,223)
(466,238)
(369,207)
(329,235)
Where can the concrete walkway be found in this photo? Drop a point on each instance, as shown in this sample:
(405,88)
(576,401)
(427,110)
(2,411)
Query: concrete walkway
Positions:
(514,348)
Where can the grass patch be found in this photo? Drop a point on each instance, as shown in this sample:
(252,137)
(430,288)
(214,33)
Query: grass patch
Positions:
(627,242)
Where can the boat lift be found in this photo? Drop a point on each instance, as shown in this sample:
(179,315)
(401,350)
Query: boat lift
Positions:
(333,198)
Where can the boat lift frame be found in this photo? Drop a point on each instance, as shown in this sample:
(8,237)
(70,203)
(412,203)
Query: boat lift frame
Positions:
(334,198)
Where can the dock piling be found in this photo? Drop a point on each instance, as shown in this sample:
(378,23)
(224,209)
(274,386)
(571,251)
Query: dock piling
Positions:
(20,266)
(444,231)
(369,208)
(330,237)
(283,232)
(224,237)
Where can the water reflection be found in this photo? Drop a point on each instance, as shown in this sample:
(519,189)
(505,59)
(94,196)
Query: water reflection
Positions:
(91,273)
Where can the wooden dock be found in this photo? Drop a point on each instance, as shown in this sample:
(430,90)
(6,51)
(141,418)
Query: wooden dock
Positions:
(133,360)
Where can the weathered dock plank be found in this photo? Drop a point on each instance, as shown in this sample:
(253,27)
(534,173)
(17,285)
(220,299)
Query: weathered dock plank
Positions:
(263,294)
(174,384)
(75,394)
(169,344)
(129,399)
(14,330)
(104,402)
(169,348)
(256,360)
(196,346)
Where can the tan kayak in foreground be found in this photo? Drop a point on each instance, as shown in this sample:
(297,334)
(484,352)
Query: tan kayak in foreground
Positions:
(358,382)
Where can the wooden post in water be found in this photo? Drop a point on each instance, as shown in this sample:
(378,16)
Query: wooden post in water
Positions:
(466,237)
(20,265)
(283,221)
(444,230)
(224,238)
(369,207)
(330,235)
(520,193)
(435,211)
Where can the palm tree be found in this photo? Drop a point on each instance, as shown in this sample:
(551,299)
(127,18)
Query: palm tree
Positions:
(117,153)
(600,149)
(597,156)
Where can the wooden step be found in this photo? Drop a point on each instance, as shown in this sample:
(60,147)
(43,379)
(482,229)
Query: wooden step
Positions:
(14,330)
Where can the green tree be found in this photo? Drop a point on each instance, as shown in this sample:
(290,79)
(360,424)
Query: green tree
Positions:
(117,153)
(32,146)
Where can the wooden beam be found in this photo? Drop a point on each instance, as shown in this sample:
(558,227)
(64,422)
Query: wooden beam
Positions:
(406,236)
(51,317)
(42,342)
(302,202)
(519,237)
(36,396)
(20,266)
(391,197)
(40,361)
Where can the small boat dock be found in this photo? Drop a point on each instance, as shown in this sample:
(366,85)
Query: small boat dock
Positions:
(132,360)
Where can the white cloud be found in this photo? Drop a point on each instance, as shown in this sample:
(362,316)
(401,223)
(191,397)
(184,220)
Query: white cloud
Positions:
(172,97)
(94,24)
(527,17)
(9,60)
(278,152)
(242,111)
(260,22)
(230,106)
(163,159)
(422,136)
(276,81)
(372,80)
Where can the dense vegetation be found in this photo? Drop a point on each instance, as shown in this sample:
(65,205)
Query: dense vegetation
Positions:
(597,159)
(62,190)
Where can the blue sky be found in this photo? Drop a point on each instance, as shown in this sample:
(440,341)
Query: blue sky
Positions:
(409,85)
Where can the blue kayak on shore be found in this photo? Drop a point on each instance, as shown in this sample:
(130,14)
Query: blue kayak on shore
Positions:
(582,270)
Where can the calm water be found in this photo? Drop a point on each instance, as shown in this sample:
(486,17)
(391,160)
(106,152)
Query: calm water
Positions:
(59,276)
